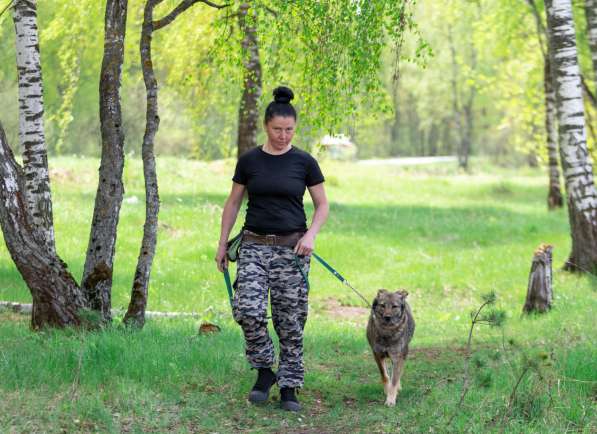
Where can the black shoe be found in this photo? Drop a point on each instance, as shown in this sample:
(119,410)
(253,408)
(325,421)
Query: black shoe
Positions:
(260,391)
(288,399)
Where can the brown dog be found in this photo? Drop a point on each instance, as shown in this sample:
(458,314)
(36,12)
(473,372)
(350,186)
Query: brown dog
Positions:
(391,327)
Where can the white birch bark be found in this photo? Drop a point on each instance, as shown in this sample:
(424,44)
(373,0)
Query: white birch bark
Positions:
(31,126)
(57,299)
(576,161)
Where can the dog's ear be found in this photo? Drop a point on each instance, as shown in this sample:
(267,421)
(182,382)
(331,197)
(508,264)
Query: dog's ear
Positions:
(381,292)
(402,293)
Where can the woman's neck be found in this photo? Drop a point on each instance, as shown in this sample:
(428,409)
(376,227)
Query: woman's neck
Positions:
(270,149)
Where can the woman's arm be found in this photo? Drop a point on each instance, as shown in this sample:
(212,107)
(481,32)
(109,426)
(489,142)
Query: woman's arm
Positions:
(231,208)
(307,243)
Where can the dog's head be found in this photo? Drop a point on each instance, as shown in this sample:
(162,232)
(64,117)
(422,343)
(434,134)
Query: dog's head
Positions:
(388,307)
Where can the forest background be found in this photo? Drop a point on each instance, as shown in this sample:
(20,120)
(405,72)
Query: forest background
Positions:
(480,65)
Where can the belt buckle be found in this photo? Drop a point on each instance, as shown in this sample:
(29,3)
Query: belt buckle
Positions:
(270,240)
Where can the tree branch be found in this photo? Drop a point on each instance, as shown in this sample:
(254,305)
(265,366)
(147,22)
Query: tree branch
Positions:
(512,397)
(8,152)
(271,11)
(214,5)
(12,186)
(183,6)
(399,44)
(6,7)
(467,356)
(588,91)
(540,28)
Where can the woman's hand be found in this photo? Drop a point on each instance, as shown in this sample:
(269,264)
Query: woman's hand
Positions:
(305,245)
(229,214)
(221,258)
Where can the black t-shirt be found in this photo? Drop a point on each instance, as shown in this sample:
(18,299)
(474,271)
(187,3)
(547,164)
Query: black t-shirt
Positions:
(276,185)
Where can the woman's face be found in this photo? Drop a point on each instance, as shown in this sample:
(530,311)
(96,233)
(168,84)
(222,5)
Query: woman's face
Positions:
(280,130)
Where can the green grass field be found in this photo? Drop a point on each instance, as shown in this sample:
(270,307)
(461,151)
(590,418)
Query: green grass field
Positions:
(445,236)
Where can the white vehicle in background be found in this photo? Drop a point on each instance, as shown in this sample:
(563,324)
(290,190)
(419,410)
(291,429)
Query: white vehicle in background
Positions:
(336,147)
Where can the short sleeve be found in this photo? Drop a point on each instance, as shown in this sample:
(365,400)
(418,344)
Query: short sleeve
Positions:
(240,174)
(314,175)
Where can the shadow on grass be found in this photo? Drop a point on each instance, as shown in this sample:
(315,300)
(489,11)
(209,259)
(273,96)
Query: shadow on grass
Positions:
(388,224)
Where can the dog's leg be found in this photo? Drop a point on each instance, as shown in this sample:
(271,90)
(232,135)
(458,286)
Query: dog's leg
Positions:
(394,387)
(387,384)
(382,370)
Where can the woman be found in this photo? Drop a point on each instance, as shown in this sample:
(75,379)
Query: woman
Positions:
(275,251)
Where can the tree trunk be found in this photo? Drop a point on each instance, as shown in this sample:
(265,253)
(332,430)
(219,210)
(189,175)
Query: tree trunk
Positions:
(414,127)
(248,113)
(576,161)
(467,136)
(97,274)
(432,140)
(554,197)
(446,144)
(423,141)
(135,314)
(25,196)
(456,103)
(57,299)
(591,15)
(37,192)
(467,133)
(539,291)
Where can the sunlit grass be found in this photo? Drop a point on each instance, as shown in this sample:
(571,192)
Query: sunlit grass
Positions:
(444,236)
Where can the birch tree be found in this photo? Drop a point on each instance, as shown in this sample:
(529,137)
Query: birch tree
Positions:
(97,274)
(31,124)
(28,230)
(576,161)
(25,196)
(57,299)
(135,315)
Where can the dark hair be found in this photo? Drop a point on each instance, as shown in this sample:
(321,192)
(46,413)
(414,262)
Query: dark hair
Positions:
(280,106)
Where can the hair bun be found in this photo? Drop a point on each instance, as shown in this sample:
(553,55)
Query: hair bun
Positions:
(283,95)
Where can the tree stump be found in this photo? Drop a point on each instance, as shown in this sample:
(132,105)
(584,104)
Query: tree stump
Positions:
(539,291)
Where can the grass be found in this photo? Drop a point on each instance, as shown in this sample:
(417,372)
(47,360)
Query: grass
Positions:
(444,236)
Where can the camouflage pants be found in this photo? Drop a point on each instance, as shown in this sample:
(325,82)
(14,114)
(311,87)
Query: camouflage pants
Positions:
(274,268)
